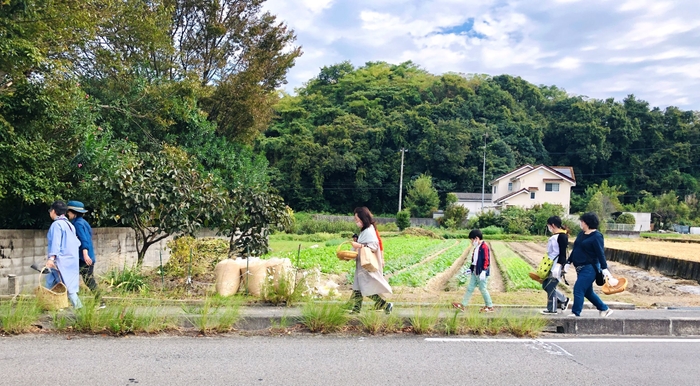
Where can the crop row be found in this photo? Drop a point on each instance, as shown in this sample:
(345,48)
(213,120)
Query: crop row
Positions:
(404,252)
(513,268)
(399,252)
(418,275)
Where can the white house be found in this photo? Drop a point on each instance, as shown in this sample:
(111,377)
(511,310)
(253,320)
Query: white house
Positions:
(472,201)
(530,185)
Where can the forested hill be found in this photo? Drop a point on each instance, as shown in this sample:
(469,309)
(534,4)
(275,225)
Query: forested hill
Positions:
(337,143)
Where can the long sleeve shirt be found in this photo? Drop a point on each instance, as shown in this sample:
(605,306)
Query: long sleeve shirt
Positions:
(588,249)
(556,248)
(84,233)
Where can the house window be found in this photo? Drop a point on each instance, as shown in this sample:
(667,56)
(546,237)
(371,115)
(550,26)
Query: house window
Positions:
(532,195)
(495,189)
(551,187)
(510,186)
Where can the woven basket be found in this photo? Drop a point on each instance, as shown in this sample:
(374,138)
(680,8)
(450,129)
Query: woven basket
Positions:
(52,299)
(345,255)
(621,286)
(535,277)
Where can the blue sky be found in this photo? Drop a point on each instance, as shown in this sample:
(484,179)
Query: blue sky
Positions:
(596,48)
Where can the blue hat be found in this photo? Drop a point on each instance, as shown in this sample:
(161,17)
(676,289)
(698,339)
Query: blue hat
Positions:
(76,206)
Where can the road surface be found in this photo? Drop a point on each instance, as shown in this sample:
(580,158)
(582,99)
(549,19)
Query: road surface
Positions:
(328,360)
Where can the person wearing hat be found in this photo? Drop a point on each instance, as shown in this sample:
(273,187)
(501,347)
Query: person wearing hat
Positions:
(76,211)
(62,254)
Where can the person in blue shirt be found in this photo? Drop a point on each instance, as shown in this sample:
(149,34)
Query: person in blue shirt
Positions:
(76,211)
(588,256)
(62,253)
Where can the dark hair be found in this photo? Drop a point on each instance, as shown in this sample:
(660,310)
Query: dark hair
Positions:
(476,233)
(59,207)
(554,220)
(365,216)
(591,219)
(77,214)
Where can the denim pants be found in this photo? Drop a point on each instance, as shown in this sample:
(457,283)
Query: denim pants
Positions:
(473,281)
(554,297)
(584,288)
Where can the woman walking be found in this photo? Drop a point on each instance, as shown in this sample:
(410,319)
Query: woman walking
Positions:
(556,251)
(588,256)
(366,283)
(63,253)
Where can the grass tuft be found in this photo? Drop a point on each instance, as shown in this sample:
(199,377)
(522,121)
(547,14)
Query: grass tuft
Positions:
(17,316)
(324,317)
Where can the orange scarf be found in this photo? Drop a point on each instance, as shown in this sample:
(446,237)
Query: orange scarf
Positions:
(381,247)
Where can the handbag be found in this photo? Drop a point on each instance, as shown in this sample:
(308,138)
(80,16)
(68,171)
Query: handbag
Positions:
(545,267)
(368,260)
(599,278)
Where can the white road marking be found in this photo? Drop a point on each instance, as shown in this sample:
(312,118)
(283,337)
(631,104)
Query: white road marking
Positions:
(565,340)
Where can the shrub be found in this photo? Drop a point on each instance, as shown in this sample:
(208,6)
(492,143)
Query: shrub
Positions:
(625,218)
(205,253)
(455,215)
(485,220)
(403,219)
(492,230)
(128,279)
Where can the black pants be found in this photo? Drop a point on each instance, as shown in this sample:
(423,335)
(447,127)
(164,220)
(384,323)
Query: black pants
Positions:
(356,298)
(87,273)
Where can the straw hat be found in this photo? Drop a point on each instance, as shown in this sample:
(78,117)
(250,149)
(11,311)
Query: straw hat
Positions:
(621,286)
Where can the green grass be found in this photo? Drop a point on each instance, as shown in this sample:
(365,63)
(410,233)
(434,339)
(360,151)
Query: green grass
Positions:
(418,275)
(324,317)
(17,316)
(424,321)
(513,268)
(670,236)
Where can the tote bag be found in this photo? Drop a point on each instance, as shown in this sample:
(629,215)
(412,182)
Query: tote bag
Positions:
(368,260)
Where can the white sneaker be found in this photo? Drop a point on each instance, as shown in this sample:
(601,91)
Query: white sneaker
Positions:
(606,313)
(572,315)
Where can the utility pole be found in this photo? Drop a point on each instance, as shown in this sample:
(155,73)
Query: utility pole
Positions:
(401,178)
(483,176)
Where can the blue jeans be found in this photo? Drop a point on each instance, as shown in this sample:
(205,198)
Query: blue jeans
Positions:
(554,297)
(584,288)
(473,281)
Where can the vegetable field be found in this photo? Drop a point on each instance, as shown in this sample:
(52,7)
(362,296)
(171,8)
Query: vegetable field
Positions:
(515,270)
(419,274)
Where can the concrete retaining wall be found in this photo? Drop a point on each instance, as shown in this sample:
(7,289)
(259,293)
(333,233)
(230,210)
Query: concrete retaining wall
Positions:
(668,266)
(114,248)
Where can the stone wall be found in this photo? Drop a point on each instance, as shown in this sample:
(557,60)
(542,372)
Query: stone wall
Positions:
(114,248)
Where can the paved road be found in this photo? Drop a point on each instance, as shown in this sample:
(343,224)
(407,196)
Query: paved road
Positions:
(324,360)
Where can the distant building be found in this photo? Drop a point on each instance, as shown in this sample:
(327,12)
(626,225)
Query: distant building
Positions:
(472,201)
(529,185)
(525,187)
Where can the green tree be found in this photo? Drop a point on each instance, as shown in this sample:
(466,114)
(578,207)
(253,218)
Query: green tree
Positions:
(250,217)
(422,198)
(158,195)
(455,214)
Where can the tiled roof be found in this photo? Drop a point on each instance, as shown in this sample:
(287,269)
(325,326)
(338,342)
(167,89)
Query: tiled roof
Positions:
(473,196)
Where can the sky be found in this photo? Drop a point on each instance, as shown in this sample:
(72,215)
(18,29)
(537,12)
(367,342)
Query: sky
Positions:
(595,48)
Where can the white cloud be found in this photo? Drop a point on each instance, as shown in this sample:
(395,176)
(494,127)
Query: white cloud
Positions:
(598,48)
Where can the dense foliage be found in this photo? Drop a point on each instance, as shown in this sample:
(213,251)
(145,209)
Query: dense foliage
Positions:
(145,111)
(337,143)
